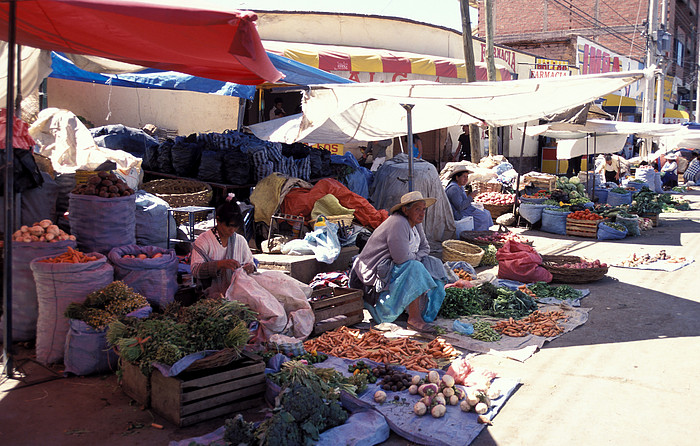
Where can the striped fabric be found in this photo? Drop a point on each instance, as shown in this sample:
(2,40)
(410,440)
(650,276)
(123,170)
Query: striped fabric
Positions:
(335,59)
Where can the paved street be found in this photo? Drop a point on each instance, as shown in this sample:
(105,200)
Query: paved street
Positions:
(626,377)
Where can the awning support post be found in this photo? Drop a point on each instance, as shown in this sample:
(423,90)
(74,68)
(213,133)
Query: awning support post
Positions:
(409,149)
(520,167)
(9,196)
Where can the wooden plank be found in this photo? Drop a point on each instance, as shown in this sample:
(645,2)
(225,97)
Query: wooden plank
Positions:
(223,387)
(221,411)
(339,310)
(165,396)
(135,384)
(351,319)
(206,377)
(226,398)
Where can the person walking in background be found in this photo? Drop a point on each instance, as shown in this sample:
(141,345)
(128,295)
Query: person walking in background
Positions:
(574,166)
(464,146)
(611,168)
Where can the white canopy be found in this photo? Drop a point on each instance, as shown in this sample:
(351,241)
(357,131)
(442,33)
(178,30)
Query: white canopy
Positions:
(609,136)
(343,113)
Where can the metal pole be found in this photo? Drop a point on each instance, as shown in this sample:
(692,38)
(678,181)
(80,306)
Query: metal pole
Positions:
(409,149)
(7,351)
(490,69)
(520,167)
(661,79)
(697,83)
(474,140)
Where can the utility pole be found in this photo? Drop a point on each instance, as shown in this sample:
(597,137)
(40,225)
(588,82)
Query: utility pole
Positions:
(661,45)
(697,83)
(490,68)
(474,140)
(647,111)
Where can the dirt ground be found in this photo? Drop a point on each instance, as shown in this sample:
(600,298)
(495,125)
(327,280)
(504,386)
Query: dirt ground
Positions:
(625,377)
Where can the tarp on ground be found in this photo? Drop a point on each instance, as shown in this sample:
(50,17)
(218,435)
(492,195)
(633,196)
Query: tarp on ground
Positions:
(205,39)
(391,182)
(374,111)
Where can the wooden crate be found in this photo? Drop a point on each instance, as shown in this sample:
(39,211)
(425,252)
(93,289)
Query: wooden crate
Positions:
(544,183)
(192,397)
(342,307)
(135,384)
(582,228)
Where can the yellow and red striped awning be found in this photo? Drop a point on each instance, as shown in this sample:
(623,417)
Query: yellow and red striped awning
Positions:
(336,59)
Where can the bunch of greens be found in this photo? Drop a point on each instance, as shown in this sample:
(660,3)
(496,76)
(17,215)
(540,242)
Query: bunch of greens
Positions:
(209,324)
(646,202)
(486,300)
(619,190)
(489,257)
(561,292)
(107,305)
(327,382)
(299,417)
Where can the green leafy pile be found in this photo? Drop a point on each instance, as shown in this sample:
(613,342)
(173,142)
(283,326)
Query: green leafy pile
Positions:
(102,307)
(489,258)
(561,292)
(209,324)
(298,419)
(487,300)
(327,382)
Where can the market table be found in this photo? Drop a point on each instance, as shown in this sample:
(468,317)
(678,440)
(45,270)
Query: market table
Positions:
(304,268)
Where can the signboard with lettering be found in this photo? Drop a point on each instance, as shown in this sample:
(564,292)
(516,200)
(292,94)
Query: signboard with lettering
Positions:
(335,149)
(538,74)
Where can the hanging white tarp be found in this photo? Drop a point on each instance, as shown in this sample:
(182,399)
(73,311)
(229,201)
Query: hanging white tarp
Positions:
(569,148)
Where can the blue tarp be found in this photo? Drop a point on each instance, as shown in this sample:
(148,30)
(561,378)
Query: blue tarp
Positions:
(295,73)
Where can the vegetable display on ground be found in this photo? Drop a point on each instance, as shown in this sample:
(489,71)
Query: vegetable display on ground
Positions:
(487,300)
(539,323)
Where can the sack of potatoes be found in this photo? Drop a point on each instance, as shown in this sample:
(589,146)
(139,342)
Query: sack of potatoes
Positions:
(105,185)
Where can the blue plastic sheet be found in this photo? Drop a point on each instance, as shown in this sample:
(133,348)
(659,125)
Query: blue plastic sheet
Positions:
(514,284)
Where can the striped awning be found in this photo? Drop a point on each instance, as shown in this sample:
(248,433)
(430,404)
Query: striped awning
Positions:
(337,59)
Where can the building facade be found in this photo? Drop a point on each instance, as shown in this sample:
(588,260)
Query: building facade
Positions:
(599,36)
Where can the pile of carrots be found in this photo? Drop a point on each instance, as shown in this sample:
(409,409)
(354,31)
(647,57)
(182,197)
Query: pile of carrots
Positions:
(348,343)
(585,214)
(527,290)
(71,256)
(539,323)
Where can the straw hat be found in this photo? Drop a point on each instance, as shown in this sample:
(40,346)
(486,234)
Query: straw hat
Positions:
(412,197)
(461,168)
(670,156)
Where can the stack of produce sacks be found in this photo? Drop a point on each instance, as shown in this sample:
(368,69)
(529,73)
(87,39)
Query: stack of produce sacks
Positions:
(28,243)
(102,213)
(60,281)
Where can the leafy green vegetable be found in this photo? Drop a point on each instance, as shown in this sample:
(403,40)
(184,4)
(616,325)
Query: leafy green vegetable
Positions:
(487,300)
(561,292)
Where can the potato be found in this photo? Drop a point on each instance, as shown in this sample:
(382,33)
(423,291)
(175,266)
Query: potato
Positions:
(142,256)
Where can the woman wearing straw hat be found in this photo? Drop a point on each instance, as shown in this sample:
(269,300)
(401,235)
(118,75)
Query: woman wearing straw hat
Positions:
(396,271)
(462,204)
(669,171)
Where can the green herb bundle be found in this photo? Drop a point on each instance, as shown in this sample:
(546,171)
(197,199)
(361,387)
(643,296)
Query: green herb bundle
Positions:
(107,305)
(209,324)
(487,300)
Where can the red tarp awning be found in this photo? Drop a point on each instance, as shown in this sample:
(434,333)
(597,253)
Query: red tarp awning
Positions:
(171,35)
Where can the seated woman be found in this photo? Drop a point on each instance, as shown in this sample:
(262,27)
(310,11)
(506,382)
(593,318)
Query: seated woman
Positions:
(396,271)
(669,171)
(462,204)
(222,260)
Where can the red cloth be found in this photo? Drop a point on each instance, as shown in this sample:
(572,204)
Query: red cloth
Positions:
(300,201)
(20,133)
(216,43)
(518,261)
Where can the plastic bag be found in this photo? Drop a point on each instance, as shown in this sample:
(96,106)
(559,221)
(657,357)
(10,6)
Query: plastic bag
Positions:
(57,286)
(100,224)
(322,242)
(631,223)
(465,224)
(606,232)
(24,300)
(293,295)
(554,221)
(615,199)
(518,261)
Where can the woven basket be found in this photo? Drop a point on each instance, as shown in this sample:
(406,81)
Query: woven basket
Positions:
(219,359)
(470,237)
(341,219)
(498,209)
(569,275)
(457,250)
(480,187)
(179,193)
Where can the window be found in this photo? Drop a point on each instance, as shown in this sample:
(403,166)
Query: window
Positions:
(679,53)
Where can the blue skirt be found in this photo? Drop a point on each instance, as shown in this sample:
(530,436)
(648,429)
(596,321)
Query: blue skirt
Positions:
(409,280)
